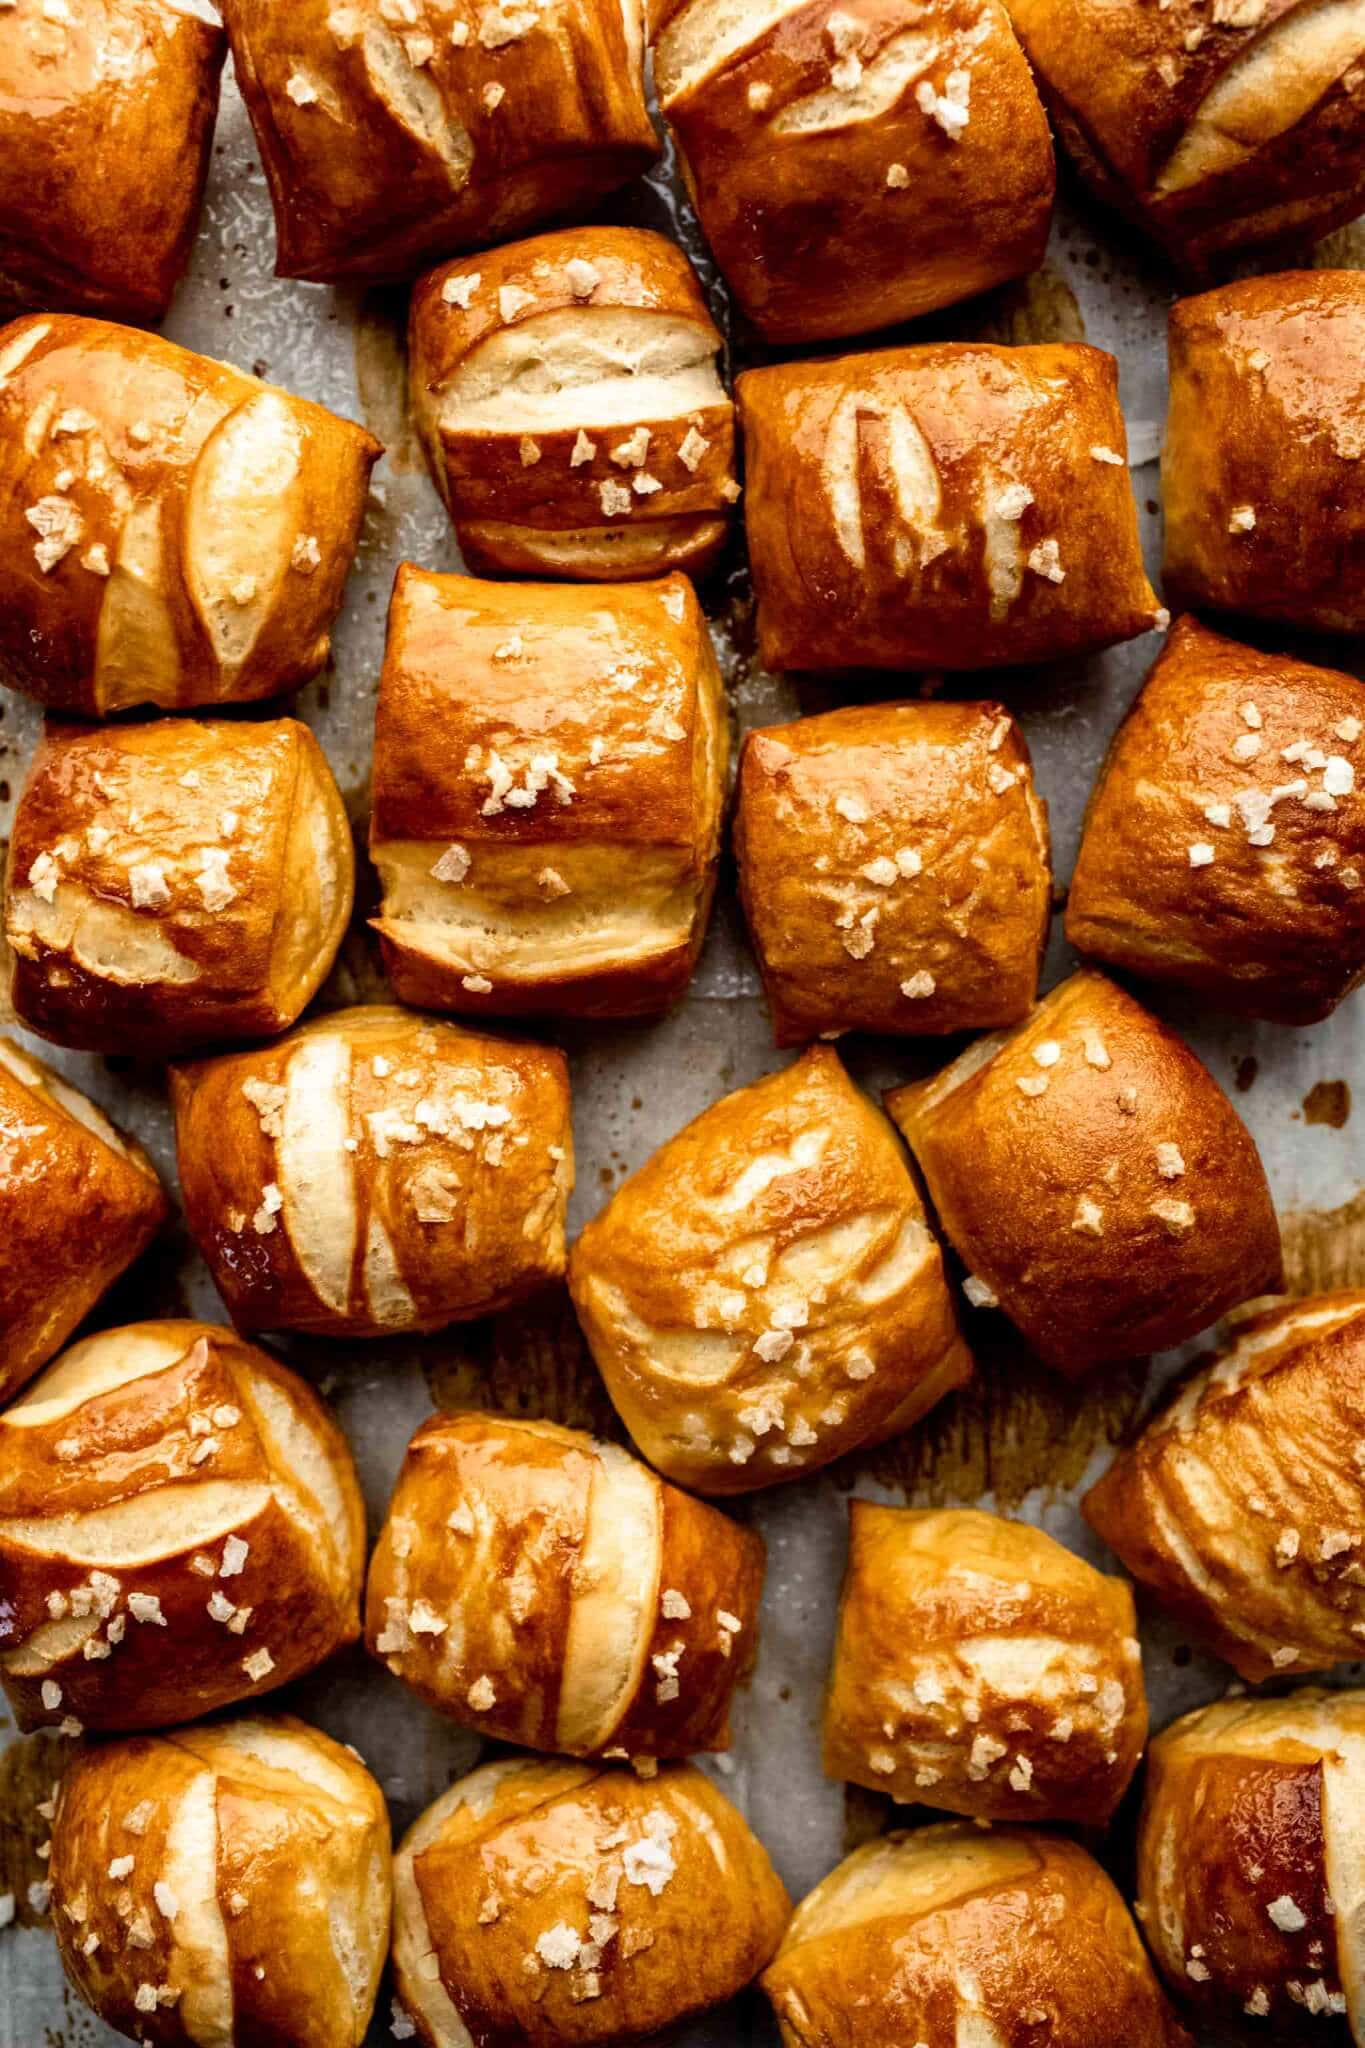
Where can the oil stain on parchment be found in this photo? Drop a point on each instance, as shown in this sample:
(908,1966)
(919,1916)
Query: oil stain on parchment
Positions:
(381,375)
(1328,1102)
(1015,1427)
(529,1361)
(1324,1248)
(1038,308)
(29,1772)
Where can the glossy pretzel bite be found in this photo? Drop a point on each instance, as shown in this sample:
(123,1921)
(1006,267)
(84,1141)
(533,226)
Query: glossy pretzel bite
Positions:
(549,776)
(954,506)
(106,117)
(393,132)
(893,862)
(1262,475)
(981,1667)
(223,1883)
(949,1938)
(1224,845)
(175,884)
(765,1294)
(180,1527)
(548,1590)
(173,532)
(1213,128)
(1094,1179)
(375,1171)
(79,1201)
(1250,1863)
(568,395)
(551,1903)
(856,163)
(1242,1506)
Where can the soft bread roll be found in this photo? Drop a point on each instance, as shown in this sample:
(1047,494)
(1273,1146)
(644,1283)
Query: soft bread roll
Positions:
(175,884)
(547,1589)
(223,1884)
(548,1903)
(949,1938)
(856,165)
(980,1667)
(1251,1862)
(568,395)
(374,1172)
(1213,128)
(893,863)
(174,532)
(1224,844)
(106,117)
(180,1527)
(1243,1505)
(1094,1179)
(79,1201)
(1261,473)
(954,506)
(549,777)
(393,132)
(765,1294)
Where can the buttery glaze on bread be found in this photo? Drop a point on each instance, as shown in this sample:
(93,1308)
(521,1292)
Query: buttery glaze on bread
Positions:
(180,1527)
(1224,844)
(228,1883)
(549,1590)
(376,1171)
(549,776)
(893,863)
(765,1294)
(1262,476)
(1242,1506)
(174,532)
(1094,1179)
(954,506)
(175,884)
(1213,128)
(854,165)
(393,132)
(567,391)
(949,1938)
(979,1666)
(106,117)
(79,1201)
(549,1903)
(1250,1863)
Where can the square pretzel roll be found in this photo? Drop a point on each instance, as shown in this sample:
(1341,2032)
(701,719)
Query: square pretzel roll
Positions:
(1243,1505)
(945,1937)
(1224,844)
(180,1527)
(549,1590)
(374,1171)
(79,1201)
(174,884)
(981,1667)
(567,391)
(392,132)
(172,531)
(855,163)
(106,117)
(893,863)
(1262,476)
(1094,1179)
(549,780)
(1212,128)
(765,1294)
(955,506)
(550,1904)
(179,1861)
(1249,1863)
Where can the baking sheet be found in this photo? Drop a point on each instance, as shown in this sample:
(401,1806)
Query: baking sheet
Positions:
(1016,1440)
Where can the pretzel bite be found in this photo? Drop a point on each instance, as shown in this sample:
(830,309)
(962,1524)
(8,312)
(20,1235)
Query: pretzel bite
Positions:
(1094,1179)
